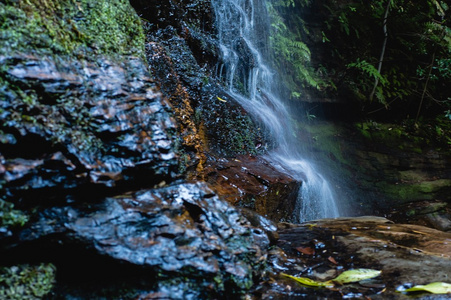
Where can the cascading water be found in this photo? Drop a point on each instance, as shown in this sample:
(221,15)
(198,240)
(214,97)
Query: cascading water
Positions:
(243,36)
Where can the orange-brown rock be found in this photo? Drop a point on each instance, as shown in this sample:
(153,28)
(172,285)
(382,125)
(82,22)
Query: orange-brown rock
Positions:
(252,182)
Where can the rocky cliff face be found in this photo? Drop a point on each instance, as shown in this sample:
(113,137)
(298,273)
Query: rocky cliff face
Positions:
(97,104)
(390,169)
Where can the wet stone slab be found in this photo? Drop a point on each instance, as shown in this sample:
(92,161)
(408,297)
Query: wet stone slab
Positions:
(406,254)
(178,233)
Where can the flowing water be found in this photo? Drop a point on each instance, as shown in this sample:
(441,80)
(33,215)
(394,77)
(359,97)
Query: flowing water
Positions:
(243,29)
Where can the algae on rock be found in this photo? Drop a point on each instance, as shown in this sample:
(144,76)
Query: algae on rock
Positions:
(82,28)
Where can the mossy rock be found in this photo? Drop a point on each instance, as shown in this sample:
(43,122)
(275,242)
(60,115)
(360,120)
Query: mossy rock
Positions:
(426,190)
(82,28)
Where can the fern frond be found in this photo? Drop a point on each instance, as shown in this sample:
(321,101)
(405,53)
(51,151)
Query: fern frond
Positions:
(369,69)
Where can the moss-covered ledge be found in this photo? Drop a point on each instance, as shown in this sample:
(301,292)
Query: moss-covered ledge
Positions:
(78,28)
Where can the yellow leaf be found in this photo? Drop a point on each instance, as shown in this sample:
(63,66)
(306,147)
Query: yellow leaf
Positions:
(356,275)
(308,281)
(434,288)
(220,99)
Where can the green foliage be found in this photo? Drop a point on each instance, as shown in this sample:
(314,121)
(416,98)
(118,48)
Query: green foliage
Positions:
(369,69)
(448,114)
(291,3)
(416,62)
(66,27)
(26,282)
(291,55)
(10,217)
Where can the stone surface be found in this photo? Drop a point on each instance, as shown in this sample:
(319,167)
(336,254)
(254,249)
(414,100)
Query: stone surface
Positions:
(406,255)
(210,121)
(384,169)
(179,232)
(85,123)
(251,182)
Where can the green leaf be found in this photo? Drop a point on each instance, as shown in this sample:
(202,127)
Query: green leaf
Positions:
(434,288)
(356,275)
(308,281)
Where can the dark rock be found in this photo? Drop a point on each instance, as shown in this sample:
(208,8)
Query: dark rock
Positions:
(209,119)
(87,123)
(261,222)
(180,232)
(440,221)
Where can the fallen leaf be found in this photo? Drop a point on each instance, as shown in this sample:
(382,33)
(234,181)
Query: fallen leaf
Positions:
(356,275)
(310,226)
(434,288)
(308,281)
(332,260)
(306,250)
(345,277)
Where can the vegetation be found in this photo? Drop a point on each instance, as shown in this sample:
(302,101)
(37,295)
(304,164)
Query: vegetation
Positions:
(390,54)
(291,55)
(71,27)
(72,30)
(388,57)
(10,217)
(26,282)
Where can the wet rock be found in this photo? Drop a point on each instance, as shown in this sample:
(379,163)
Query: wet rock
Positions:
(179,232)
(251,182)
(209,119)
(261,222)
(440,221)
(85,123)
(406,254)
(389,169)
(82,119)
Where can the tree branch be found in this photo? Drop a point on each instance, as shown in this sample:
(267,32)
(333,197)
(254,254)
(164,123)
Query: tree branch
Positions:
(384,45)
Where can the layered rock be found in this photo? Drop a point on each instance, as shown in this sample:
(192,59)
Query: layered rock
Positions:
(406,254)
(88,123)
(84,119)
(184,239)
(392,170)
(253,183)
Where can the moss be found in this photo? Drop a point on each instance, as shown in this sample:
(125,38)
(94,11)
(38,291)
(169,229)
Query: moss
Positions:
(408,136)
(408,192)
(394,136)
(240,135)
(65,27)
(26,282)
(328,138)
(70,29)
(10,217)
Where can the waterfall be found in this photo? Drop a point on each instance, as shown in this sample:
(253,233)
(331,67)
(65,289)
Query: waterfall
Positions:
(243,27)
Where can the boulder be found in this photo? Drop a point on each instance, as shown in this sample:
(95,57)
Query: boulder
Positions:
(252,182)
(182,233)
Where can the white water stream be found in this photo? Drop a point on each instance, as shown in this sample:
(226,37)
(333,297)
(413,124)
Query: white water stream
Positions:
(243,27)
